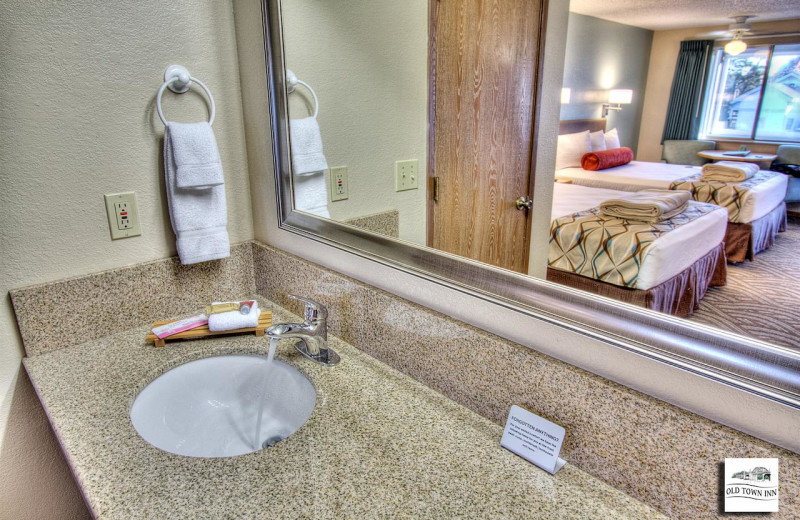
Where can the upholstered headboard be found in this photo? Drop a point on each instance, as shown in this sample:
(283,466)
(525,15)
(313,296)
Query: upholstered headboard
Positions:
(579,125)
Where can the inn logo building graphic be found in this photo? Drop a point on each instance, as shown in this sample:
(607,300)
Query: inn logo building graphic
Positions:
(751,485)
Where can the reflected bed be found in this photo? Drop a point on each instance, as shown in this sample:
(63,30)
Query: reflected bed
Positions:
(759,215)
(672,272)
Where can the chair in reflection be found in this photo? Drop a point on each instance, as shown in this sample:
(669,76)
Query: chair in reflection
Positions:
(685,152)
(788,155)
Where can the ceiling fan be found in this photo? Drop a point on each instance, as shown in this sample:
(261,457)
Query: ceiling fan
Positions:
(737,29)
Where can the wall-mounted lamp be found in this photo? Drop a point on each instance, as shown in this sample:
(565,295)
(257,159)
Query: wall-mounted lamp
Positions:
(617,98)
(565,95)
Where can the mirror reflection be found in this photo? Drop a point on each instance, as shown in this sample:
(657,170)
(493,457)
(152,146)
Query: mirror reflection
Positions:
(676,180)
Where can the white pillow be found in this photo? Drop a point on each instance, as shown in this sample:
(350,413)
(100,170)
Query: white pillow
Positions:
(571,148)
(612,139)
(598,141)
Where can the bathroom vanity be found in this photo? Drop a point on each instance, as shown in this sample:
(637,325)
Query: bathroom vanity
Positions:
(377,445)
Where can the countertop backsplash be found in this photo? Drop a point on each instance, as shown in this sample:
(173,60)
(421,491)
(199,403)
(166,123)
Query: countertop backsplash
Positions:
(72,311)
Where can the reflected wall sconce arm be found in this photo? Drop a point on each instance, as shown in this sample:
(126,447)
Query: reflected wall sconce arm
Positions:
(617,98)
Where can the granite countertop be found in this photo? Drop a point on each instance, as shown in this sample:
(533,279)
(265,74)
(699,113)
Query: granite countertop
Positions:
(377,445)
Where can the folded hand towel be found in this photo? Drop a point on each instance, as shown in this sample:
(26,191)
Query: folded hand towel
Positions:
(311,194)
(199,216)
(600,160)
(196,156)
(234,320)
(307,156)
(647,206)
(729,171)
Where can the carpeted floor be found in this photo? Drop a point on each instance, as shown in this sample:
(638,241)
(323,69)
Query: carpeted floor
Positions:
(761,298)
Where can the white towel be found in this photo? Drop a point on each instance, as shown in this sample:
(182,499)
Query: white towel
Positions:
(199,216)
(307,156)
(729,171)
(196,156)
(647,205)
(311,194)
(234,320)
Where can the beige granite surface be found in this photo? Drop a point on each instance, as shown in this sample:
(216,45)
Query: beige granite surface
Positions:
(58,314)
(378,445)
(610,428)
(656,452)
(384,223)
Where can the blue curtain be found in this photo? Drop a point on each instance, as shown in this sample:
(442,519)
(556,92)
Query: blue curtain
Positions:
(683,111)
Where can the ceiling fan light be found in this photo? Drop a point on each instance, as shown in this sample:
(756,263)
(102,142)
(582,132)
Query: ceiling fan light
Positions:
(735,47)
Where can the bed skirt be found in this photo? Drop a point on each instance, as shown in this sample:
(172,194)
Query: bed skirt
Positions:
(678,296)
(744,241)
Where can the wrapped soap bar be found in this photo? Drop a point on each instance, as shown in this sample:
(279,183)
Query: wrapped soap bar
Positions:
(219,307)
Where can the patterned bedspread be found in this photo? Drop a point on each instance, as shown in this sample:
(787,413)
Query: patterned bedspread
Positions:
(729,195)
(609,249)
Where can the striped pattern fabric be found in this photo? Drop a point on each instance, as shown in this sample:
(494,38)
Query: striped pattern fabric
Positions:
(726,194)
(609,249)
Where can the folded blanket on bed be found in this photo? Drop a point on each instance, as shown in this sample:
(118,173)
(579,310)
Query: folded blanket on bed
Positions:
(730,195)
(729,171)
(647,205)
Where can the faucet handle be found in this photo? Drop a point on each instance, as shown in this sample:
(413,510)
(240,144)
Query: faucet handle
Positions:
(312,310)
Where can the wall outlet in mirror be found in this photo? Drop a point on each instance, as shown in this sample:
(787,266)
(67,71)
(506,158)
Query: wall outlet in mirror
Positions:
(339,187)
(406,175)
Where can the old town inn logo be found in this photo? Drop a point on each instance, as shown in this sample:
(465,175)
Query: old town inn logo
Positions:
(751,485)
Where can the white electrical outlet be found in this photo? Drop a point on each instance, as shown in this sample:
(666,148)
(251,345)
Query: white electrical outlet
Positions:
(405,175)
(338,183)
(123,215)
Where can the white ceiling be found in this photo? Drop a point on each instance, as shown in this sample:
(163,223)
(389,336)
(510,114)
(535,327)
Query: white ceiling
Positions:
(660,15)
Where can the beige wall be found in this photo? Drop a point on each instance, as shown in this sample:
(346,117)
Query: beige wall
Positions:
(663,58)
(78,81)
(373,95)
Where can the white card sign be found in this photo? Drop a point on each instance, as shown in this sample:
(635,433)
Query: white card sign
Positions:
(535,439)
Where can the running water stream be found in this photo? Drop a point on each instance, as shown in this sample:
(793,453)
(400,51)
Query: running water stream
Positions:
(273,343)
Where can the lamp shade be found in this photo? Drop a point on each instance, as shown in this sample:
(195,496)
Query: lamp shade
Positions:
(735,47)
(565,95)
(620,96)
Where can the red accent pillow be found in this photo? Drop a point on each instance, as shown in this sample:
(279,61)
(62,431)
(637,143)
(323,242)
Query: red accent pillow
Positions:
(606,158)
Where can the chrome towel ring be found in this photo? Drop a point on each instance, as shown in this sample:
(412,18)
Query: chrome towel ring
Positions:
(178,80)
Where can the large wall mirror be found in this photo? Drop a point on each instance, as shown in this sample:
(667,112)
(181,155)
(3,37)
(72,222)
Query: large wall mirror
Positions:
(407,132)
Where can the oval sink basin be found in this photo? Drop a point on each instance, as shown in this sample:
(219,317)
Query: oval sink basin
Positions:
(210,407)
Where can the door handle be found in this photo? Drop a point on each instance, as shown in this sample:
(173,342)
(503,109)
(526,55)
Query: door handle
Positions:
(524,202)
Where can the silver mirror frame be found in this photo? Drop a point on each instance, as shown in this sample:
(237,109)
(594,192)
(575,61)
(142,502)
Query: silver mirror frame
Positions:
(769,371)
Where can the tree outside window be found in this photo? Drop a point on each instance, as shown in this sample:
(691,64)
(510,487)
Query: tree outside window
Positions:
(737,96)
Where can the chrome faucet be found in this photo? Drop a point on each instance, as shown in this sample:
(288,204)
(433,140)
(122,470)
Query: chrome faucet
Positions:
(312,333)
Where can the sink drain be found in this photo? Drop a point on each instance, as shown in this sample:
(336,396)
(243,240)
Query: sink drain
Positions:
(272,441)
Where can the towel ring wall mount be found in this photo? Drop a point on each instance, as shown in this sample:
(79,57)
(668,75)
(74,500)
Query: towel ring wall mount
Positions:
(178,80)
(291,85)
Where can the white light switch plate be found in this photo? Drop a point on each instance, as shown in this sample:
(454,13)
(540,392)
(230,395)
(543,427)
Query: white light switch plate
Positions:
(123,215)
(406,175)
